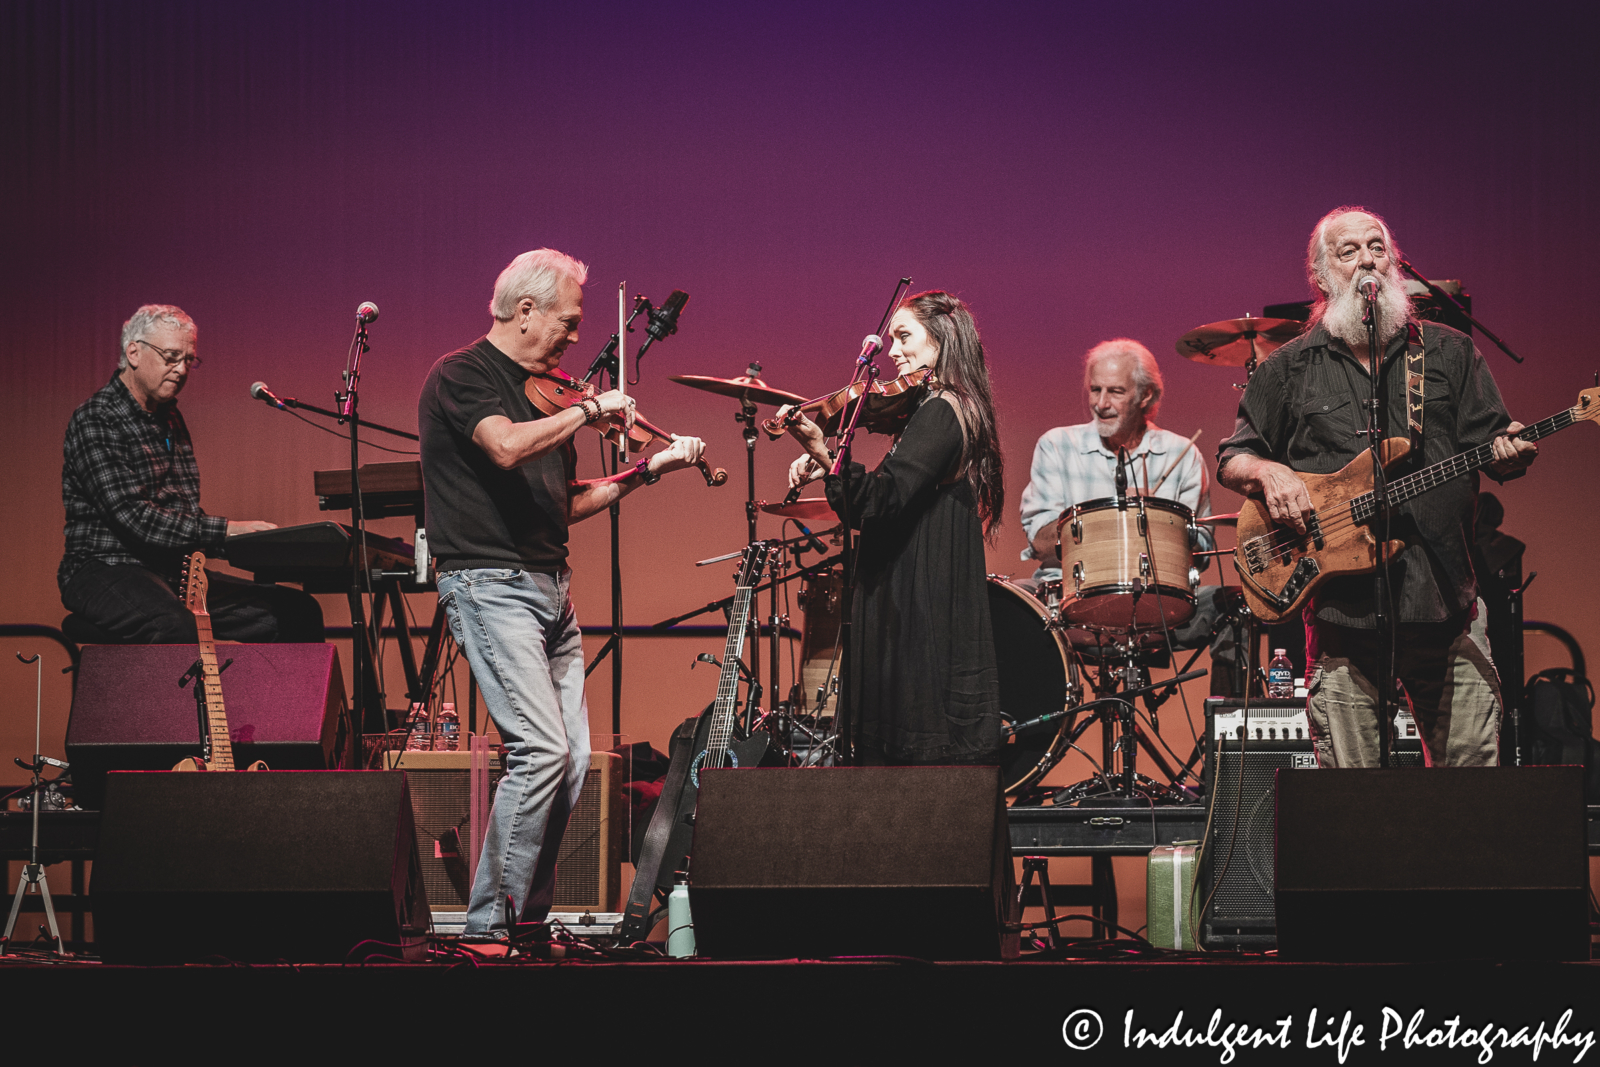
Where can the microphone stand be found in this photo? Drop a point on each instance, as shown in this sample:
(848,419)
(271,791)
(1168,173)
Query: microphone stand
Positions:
(361,657)
(844,713)
(1441,296)
(286,402)
(1383,624)
(609,362)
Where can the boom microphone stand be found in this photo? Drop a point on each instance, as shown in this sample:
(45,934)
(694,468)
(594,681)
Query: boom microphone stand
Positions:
(843,716)
(662,323)
(360,651)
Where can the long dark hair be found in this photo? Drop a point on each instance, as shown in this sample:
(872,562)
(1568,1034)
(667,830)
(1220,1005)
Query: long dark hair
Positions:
(964,374)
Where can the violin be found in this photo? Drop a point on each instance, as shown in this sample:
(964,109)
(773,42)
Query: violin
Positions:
(554,391)
(889,405)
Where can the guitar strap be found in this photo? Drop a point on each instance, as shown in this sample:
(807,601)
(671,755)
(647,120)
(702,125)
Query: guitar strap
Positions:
(1414,386)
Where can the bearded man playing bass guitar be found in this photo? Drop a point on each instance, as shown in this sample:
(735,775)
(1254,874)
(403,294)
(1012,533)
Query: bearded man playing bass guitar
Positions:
(1304,411)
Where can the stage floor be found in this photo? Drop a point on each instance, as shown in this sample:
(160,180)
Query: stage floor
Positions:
(1087,1011)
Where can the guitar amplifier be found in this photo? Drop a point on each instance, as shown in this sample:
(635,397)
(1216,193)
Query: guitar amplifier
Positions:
(1236,865)
(589,863)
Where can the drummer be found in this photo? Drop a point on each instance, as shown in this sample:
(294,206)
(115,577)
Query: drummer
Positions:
(1078,464)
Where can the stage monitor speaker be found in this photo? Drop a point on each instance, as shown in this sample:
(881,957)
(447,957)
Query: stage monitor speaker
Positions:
(1449,863)
(861,861)
(1236,865)
(285,703)
(588,865)
(302,866)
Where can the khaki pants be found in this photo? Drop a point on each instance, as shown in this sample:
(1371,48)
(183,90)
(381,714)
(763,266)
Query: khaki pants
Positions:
(1450,684)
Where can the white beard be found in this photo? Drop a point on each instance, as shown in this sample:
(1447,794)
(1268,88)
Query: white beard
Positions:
(1342,312)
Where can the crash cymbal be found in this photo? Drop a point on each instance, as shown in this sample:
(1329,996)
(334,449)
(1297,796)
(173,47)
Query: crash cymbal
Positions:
(1220,520)
(743,386)
(1233,342)
(806,509)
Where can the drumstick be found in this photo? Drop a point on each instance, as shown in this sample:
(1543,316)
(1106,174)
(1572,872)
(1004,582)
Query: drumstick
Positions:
(1174,464)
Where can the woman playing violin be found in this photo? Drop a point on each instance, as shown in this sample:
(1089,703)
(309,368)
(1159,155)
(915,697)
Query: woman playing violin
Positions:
(925,688)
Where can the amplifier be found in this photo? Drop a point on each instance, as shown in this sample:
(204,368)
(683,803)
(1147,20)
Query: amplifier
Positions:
(1236,866)
(588,871)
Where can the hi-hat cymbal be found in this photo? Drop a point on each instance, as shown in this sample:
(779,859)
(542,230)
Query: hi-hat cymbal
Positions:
(807,509)
(758,391)
(1233,342)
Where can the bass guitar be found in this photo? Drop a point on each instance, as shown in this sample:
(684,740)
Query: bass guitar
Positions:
(1279,567)
(714,744)
(218,744)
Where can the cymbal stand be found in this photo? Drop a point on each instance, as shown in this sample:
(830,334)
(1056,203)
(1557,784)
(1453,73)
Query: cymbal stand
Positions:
(746,417)
(33,877)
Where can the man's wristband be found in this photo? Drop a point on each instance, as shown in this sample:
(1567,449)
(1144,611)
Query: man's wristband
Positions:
(642,469)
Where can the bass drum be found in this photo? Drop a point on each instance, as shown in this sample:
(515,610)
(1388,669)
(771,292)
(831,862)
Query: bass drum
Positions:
(1037,674)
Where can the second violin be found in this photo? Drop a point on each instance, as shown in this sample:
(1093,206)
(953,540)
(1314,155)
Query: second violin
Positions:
(889,405)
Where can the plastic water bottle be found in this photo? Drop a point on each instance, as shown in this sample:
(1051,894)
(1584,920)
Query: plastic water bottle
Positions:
(418,736)
(447,738)
(1280,676)
(680,923)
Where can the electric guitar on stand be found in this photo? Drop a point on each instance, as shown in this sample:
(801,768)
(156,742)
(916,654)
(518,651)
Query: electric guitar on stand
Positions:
(218,744)
(667,841)
(1279,567)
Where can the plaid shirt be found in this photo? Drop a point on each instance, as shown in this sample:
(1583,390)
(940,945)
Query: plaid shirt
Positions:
(131,487)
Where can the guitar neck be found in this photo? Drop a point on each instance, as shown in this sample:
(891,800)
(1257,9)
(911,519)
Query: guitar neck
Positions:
(721,731)
(1419,482)
(216,714)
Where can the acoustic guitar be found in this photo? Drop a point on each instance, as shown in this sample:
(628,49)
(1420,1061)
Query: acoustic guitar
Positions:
(219,746)
(1280,567)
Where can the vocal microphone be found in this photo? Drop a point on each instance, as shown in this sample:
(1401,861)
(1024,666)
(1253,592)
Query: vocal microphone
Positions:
(871,345)
(367,312)
(663,321)
(1369,288)
(259,391)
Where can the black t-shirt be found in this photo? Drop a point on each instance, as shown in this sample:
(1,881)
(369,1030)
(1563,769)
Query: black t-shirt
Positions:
(479,515)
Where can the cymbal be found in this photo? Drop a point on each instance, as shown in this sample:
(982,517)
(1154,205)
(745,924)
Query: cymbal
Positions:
(741,387)
(1221,520)
(806,509)
(1232,342)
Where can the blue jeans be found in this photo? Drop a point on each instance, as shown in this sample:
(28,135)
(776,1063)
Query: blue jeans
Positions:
(520,635)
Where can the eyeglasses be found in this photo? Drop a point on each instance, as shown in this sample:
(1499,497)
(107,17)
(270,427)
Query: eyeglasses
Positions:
(172,356)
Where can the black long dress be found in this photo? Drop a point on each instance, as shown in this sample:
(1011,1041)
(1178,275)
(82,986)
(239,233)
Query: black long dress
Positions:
(925,687)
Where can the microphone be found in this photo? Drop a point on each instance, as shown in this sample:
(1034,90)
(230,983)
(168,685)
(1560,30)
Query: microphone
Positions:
(1122,474)
(663,321)
(259,391)
(871,345)
(1369,288)
(367,312)
(816,545)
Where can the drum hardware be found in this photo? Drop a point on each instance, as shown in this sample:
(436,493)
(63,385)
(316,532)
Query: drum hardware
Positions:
(749,390)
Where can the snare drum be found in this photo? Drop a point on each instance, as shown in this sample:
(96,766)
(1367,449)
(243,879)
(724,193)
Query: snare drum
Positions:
(1127,568)
(1037,676)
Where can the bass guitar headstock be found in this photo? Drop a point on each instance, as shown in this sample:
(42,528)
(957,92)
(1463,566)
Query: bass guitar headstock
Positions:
(1588,405)
(195,583)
